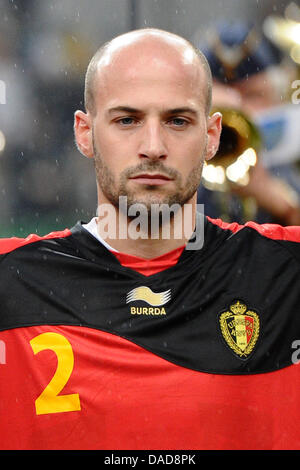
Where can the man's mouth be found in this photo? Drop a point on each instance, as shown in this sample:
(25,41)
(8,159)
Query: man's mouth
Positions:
(151,179)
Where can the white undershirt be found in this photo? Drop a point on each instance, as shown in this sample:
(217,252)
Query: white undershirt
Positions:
(91,227)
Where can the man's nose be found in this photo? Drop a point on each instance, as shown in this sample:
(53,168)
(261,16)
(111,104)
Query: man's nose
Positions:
(153,144)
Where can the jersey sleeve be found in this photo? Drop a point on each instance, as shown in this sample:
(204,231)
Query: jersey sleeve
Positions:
(277,232)
(288,237)
(10,244)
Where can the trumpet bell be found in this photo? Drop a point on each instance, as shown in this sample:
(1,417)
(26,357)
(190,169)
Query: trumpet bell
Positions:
(237,152)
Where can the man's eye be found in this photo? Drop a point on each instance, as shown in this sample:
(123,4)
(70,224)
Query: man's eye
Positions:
(126,121)
(178,122)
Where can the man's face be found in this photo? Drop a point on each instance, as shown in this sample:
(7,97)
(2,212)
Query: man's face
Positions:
(149,130)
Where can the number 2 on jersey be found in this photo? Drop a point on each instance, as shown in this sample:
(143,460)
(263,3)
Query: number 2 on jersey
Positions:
(49,401)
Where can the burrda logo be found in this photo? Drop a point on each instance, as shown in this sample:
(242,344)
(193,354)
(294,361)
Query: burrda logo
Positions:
(155,299)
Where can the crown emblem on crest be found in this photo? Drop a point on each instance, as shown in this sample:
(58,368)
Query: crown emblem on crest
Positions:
(240,328)
(238,308)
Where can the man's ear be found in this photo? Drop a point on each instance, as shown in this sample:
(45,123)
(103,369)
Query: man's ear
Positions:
(83,133)
(214,129)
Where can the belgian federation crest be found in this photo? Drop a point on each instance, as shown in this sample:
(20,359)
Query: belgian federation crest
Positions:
(240,328)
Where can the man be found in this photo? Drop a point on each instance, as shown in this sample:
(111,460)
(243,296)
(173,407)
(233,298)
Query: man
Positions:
(114,342)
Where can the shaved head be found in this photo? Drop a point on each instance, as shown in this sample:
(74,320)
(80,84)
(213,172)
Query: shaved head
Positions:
(155,42)
(147,123)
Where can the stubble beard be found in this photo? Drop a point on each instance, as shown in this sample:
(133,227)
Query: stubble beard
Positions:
(183,192)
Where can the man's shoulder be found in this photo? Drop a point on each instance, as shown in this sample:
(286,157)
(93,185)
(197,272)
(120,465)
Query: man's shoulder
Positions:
(272,231)
(8,245)
(288,237)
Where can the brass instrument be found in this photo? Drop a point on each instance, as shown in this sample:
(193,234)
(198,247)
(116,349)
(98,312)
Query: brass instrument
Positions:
(237,153)
(240,138)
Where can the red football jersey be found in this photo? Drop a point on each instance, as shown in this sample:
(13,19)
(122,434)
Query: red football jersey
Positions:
(80,368)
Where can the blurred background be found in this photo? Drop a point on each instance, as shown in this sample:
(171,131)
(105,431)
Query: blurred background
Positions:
(45,184)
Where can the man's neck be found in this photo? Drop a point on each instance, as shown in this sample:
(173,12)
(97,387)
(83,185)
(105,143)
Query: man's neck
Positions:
(147,240)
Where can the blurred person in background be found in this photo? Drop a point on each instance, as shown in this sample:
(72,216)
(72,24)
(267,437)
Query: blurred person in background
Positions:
(253,76)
